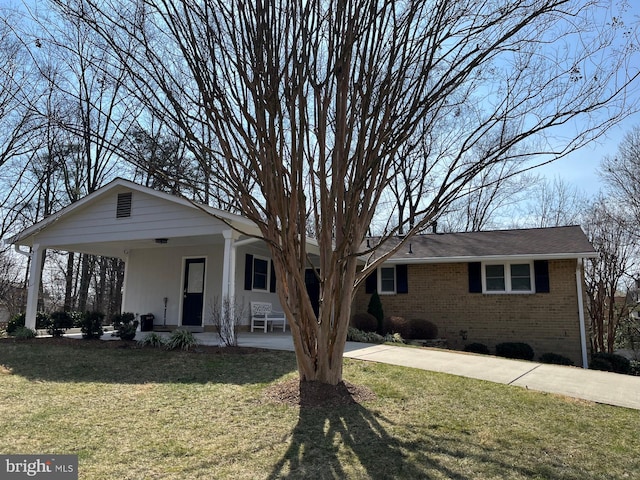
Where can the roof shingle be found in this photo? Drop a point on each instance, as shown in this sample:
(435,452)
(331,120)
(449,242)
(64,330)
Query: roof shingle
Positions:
(555,242)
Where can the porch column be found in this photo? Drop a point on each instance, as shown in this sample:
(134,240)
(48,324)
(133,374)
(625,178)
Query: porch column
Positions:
(229,266)
(35,277)
(125,258)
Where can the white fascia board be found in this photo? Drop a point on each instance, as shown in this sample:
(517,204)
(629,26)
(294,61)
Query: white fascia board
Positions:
(493,258)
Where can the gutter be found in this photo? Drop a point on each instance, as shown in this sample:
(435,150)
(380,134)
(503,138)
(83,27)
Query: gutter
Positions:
(407,259)
(583,332)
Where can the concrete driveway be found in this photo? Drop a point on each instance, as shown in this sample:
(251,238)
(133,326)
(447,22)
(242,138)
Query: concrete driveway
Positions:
(592,385)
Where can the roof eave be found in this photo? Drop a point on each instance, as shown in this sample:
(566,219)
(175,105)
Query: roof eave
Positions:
(492,258)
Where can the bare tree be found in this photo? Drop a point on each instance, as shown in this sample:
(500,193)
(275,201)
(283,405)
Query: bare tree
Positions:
(19,90)
(608,231)
(554,203)
(313,101)
(621,173)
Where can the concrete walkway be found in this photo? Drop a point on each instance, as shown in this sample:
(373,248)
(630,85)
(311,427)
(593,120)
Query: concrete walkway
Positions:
(592,385)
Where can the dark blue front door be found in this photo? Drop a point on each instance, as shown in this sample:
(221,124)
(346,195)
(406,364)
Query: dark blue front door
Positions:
(193,292)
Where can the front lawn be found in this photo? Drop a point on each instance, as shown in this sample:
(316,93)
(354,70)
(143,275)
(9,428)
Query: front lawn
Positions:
(132,413)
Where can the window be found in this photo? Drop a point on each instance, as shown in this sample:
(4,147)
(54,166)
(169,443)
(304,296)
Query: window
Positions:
(507,278)
(387,280)
(521,277)
(260,274)
(495,279)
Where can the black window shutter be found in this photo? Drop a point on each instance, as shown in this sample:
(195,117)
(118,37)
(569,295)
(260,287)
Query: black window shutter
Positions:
(475,277)
(371,283)
(541,272)
(402,280)
(272,280)
(248,271)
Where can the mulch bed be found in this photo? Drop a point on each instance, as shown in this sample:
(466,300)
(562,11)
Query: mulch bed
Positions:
(316,394)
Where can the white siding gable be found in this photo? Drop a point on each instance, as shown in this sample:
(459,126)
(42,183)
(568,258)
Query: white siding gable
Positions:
(151,217)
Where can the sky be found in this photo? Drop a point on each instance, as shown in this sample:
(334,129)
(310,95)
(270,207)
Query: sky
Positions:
(580,168)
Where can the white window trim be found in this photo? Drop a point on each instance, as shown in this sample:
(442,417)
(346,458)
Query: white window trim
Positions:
(507,278)
(395,280)
(253,274)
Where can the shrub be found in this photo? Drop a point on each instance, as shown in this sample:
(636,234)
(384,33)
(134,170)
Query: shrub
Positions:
(23,333)
(517,350)
(181,339)
(355,335)
(117,319)
(375,309)
(555,359)
(423,329)
(152,340)
(397,325)
(395,338)
(58,323)
(91,325)
(477,348)
(610,362)
(226,318)
(42,321)
(635,367)
(15,322)
(125,325)
(365,322)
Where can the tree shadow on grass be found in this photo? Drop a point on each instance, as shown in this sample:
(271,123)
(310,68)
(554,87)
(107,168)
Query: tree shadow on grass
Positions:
(326,439)
(351,441)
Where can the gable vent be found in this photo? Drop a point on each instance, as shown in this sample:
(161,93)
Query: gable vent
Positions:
(123,209)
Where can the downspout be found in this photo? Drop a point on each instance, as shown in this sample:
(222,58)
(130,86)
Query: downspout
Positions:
(583,331)
(16,247)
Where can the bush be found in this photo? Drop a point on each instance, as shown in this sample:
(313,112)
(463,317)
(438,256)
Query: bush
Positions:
(423,329)
(395,338)
(152,340)
(58,323)
(365,322)
(477,348)
(610,362)
(355,335)
(42,321)
(555,359)
(117,319)
(181,339)
(23,333)
(15,322)
(91,325)
(517,350)
(397,325)
(125,325)
(375,309)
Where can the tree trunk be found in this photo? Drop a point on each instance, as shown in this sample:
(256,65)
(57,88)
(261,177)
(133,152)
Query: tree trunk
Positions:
(68,290)
(319,342)
(85,280)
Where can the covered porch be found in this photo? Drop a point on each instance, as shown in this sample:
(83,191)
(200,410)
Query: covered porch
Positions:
(181,258)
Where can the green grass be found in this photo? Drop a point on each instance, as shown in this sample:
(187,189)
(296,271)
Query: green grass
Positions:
(155,414)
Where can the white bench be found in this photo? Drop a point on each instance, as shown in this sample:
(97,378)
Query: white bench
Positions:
(262,315)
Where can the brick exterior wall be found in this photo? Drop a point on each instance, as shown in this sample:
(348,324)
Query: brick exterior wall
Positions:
(549,322)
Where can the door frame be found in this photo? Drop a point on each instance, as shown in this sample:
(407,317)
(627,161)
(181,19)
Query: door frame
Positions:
(181,287)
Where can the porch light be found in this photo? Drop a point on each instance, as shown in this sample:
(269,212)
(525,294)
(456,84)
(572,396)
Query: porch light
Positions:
(161,241)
